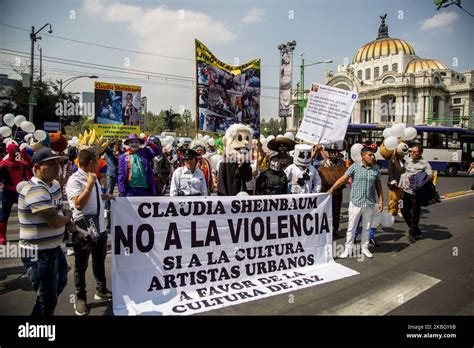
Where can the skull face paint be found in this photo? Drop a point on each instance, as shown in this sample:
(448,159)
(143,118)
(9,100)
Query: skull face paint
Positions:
(302,156)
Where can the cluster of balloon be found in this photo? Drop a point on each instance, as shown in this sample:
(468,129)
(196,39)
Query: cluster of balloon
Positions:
(397,132)
(386,219)
(19,121)
(73,142)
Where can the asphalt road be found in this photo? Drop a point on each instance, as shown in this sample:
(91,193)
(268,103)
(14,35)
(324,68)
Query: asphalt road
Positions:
(434,276)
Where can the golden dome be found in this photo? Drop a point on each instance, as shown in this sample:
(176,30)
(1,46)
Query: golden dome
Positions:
(382,48)
(424,64)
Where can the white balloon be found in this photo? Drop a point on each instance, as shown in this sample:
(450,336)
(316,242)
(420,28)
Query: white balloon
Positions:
(6,140)
(27,137)
(205,138)
(289,135)
(75,139)
(387,132)
(142,135)
(409,133)
(375,222)
(355,153)
(270,137)
(22,146)
(39,135)
(19,119)
(211,142)
(199,136)
(397,129)
(9,120)
(242,193)
(20,186)
(280,136)
(387,219)
(69,143)
(27,126)
(391,143)
(5,131)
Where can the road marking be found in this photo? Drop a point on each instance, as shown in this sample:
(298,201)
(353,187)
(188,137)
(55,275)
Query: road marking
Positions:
(386,298)
(454,195)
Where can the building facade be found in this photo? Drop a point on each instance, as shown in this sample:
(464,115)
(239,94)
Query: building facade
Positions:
(397,86)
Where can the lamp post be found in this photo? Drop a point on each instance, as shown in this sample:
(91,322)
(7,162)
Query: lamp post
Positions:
(65,83)
(302,102)
(288,49)
(34,38)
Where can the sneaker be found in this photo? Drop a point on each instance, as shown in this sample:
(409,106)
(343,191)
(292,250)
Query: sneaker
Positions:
(105,295)
(400,214)
(69,251)
(367,253)
(372,241)
(417,236)
(411,239)
(345,253)
(81,307)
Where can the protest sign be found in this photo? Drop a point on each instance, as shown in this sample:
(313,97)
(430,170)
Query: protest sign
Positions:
(327,115)
(226,94)
(117,109)
(181,256)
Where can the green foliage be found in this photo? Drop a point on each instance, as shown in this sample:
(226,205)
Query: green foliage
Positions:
(272,127)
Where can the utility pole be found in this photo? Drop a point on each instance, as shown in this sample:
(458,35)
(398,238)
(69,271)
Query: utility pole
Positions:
(41,64)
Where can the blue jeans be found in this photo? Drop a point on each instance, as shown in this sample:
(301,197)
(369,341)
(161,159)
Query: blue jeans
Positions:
(111,183)
(48,275)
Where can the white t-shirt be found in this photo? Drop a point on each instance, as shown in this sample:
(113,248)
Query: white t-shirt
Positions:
(75,186)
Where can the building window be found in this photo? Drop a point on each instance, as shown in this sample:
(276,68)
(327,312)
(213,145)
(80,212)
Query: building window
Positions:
(456,101)
(389,79)
(395,67)
(385,68)
(456,116)
(436,79)
(359,74)
(367,74)
(443,74)
(376,72)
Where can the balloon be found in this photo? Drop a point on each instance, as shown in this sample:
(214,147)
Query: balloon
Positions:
(289,135)
(9,120)
(397,129)
(199,136)
(280,136)
(387,219)
(387,132)
(205,138)
(27,137)
(409,133)
(211,142)
(20,186)
(242,193)
(391,143)
(375,222)
(355,153)
(270,137)
(69,143)
(5,131)
(19,119)
(75,139)
(27,126)
(142,135)
(6,140)
(39,135)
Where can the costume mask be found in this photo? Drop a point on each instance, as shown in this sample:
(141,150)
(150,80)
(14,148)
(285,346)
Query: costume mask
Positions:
(302,156)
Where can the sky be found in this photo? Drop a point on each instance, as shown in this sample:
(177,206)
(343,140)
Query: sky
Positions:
(235,31)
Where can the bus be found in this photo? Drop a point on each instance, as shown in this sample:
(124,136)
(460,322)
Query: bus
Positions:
(447,149)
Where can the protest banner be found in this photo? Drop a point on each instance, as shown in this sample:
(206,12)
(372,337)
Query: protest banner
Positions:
(226,94)
(181,256)
(117,109)
(327,115)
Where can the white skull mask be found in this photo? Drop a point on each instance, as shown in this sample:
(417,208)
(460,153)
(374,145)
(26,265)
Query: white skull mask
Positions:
(302,156)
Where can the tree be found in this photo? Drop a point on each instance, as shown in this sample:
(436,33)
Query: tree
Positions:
(271,127)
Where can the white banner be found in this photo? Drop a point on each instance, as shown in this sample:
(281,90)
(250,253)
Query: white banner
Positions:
(186,255)
(327,115)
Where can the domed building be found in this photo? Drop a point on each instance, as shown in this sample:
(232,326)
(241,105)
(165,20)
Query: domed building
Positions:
(395,85)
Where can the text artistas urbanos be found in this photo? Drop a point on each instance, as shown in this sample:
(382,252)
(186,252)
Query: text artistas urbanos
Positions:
(204,253)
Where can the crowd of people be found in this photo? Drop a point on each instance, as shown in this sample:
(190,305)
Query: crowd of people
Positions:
(63,194)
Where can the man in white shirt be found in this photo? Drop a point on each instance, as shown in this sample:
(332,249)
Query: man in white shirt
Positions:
(85,199)
(188,180)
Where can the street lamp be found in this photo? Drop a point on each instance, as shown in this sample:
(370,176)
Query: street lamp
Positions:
(288,49)
(302,66)
(33,39)
(67,83)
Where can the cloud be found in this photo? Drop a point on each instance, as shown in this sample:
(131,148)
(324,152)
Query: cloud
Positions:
(255,15)
(163,31)
(440,20)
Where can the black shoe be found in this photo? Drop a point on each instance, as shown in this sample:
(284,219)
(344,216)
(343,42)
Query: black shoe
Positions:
(417,237)
(372,241)
(411,239)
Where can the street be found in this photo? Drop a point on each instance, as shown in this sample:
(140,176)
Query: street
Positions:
(434,276)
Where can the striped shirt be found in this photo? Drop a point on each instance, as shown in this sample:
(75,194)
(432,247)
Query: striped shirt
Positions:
(35,197)
(364,188)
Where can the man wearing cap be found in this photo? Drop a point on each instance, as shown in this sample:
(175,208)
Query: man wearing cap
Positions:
(135,171)
(188,180)
(42,225)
